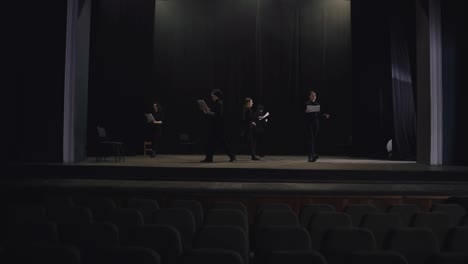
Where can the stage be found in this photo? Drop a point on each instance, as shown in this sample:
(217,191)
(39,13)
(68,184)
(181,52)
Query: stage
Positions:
(276,174)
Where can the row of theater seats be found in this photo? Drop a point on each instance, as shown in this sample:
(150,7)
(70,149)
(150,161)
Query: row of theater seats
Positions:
(95,230)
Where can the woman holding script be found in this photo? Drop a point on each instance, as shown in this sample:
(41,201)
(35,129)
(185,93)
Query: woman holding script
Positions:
(155,122)
(311,117)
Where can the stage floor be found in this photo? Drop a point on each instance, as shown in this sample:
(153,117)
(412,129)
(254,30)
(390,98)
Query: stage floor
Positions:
(273,174)
(270,162)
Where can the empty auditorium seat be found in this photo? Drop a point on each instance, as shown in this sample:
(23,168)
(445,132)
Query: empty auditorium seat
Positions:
(50,254)
(231,205)
(320,223)
(146,206)
(124,255)
(72,215)
(461,200)
(339,243)
(273,206)
(296,257)
(212,256)
(357,211)
(280,238)
(380,224)
(377,257)
(58,201)
(457,240)
(454,211)
(181,219)
(163,239)
(194,206)
(124,217)
(273,217)
(25,213)
(464,221)
(437,222)
(224,237)
(418,245)
(406,211)
(90,236)
(32,233)
(310,209)
(227,217)
(283,238)
(99,206)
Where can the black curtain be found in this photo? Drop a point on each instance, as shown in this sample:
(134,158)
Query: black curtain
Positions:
(270,50)
(119,70)
(404,110)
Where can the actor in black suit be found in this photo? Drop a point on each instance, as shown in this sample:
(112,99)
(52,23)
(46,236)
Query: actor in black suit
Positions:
(312,125)
(216,130)
(249,123)
(260,129)
(156,128)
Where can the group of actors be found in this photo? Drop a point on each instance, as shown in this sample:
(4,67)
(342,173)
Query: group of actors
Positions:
(253,127)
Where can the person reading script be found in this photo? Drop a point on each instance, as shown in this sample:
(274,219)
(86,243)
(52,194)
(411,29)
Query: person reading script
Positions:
(311,117)
(216,136)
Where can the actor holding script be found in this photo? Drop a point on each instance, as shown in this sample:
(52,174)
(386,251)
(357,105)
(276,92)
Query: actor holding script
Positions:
(249,121)
(155,123)
(216,130)
(311,116)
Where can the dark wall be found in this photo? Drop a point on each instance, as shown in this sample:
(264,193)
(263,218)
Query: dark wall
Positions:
(273,51)
(37,58)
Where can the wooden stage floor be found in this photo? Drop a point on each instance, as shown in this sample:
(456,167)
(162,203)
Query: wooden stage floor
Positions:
(273,174)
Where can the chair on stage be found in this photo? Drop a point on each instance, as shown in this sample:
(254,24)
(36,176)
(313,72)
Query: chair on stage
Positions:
(147,147)
(186,141)
(107,147)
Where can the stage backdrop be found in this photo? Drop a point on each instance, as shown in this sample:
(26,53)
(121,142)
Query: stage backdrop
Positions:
(273,51)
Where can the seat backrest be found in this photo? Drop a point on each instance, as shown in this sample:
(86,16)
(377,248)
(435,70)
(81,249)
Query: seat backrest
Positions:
(227,217)
(321,223)
(418,245)
(381,224)
(438,222)
(283,238)
(380,257)
(163,239)
(213,256)
(357,211)
(146,206)
(307,211)
(194,206)
(457,240)
(455,212)
(406,211)
(181,219)
(339,243)
(224,237)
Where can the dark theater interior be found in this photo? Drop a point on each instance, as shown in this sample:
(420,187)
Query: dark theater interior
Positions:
(234,132)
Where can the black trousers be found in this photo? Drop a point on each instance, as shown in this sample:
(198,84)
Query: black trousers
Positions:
(251,137)
(260,138)
(217,138)
(155,140)
(312,129)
